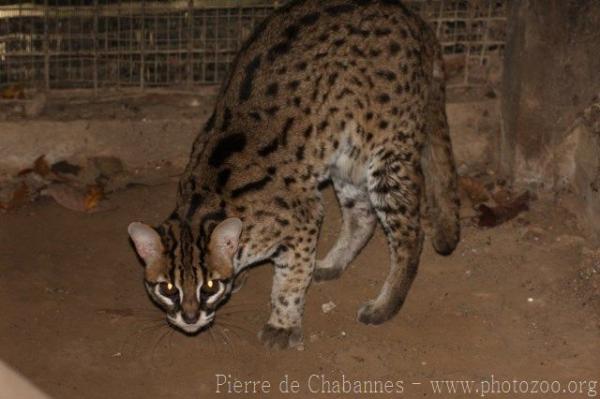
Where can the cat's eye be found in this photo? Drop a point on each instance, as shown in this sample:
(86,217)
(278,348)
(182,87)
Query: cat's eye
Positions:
(211,287)
(168,289)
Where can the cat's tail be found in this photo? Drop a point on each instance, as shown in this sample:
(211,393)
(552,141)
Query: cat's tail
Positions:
(439,168)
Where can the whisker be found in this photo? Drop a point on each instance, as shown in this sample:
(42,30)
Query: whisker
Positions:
(235,311)
(161,337)
(228,324)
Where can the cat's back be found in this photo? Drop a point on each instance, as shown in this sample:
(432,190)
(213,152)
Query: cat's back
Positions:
(308,46)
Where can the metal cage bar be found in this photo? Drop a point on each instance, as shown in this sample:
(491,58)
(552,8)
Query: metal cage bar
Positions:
(59,44)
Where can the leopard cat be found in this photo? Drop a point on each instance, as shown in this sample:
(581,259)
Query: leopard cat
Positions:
(347,91)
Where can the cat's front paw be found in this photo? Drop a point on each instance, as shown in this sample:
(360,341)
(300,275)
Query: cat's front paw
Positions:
(280,338)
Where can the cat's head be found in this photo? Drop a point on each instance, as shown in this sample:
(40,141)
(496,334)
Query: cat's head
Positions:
(188,278)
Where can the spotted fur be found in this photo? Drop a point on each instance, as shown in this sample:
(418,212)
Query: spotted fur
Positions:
(342,90)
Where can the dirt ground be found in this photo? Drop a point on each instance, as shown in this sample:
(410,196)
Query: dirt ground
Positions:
(509,304)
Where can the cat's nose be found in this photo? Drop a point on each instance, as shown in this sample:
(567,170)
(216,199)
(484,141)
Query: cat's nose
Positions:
(189,317)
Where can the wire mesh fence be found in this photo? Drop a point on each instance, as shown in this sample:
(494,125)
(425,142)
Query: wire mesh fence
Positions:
(58,44)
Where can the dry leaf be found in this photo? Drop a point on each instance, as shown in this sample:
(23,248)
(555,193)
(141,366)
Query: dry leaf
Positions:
(40,166)
(491,217)
(67,196)
(93,197)
(474,189)
(502,196)
(76,199)
(13,92)
(19,197)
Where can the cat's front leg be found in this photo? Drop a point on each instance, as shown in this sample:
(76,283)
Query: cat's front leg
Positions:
(293,272)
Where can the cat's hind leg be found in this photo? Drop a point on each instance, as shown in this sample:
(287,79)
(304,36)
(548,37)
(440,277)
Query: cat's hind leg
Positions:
(394,190)
(358,223)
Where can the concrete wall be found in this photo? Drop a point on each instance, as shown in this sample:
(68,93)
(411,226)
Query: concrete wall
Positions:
(551,71)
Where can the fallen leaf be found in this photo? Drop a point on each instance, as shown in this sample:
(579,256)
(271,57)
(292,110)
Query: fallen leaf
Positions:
(18,198)
(502,196)
(76,199)
(474,189)
(67,196)
(13,92)
(93,196)
(41,167)
(494,216)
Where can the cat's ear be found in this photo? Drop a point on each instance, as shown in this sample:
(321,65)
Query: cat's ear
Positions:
(147,242)
(222,246)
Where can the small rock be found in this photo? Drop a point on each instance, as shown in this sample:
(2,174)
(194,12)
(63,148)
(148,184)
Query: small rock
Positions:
(533,233)
(328,307)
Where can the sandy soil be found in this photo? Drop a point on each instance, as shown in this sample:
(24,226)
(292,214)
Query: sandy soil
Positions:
(76,320)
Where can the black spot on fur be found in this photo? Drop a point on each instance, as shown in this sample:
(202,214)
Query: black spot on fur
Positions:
(250,71)
(272,89)
(383,98)
(379,32)
(293,85)
(310,19)
(280,202)
(394,48)
(301,66)
(332,78)
(269,148)
(195,203)
(226,119)
(353,30)
(226,147)
(249,187)
(286,129)
(288,180)
(282,222)
(279,49)
(339,9)
(357,52)
(345,91)
(291,32)
(300,153)
(272,110)
(322,126)
(210,124)
(223,177)
(386,74)
(308,131)
(339,42)
(322,185)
